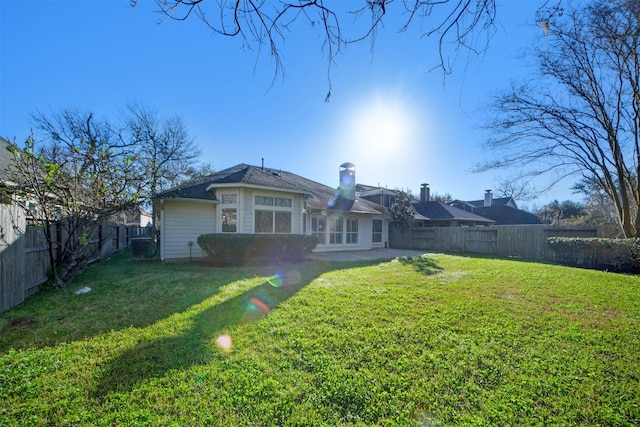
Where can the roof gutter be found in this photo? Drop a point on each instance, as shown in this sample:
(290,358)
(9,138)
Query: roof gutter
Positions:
(257,187)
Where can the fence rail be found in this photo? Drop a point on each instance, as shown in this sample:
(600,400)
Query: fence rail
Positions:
(524,241)
(24,252)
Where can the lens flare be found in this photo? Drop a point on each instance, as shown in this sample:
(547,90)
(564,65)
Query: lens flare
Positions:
(256,304)
(224,342)
(332,201)
(276,280)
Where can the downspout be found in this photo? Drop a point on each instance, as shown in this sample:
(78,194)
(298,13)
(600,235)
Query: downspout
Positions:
(162,230)
(305,221)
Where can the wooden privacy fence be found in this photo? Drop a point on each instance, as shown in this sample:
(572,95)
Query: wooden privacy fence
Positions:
(24,258)
(525,241)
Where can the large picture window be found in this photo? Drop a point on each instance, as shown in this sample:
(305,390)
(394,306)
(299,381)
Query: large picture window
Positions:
(283,222)
(335,230)
(318,228)
(274,220)
(264,221)
(352,230)
(376,236)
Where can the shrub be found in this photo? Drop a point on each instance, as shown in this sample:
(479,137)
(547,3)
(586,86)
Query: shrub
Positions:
(241,249)
(604,254)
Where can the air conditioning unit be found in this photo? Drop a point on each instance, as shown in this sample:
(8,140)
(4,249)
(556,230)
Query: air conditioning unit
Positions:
(142,248)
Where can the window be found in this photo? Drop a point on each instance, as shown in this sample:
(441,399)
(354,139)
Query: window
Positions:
(282,202)
(335,230)
(264,221)
(318,227)
(352,230)
(376,236)
(229,210)
(264,201)
(283,222)
(273,201)
(229,220)
(229,199)
(275,220)
(268,221)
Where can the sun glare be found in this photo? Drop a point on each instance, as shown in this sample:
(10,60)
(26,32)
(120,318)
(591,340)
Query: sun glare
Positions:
(385,134)
(383,125)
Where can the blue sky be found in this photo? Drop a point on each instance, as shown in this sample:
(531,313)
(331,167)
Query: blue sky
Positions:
(400,124)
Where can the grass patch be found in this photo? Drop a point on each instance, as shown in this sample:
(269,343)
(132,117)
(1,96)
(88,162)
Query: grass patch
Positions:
(436,340)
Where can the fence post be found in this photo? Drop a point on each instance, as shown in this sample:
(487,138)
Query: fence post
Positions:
(13,224)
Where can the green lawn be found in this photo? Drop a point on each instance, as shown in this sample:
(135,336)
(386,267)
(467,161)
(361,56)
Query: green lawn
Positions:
(437,340)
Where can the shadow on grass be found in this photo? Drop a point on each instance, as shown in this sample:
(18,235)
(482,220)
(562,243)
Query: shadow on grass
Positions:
(422,264)
(197,345)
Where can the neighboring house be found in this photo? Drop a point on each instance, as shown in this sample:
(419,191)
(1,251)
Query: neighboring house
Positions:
(432,213)
(5,160)
(429,213)
(506,215)
(488,200)
(379,195)
(503,210)
(136,216)
(257,200)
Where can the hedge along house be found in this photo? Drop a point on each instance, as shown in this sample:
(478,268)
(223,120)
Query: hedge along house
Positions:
(248,199)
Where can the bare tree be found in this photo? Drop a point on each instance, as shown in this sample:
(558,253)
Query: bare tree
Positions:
(581,116)
(516,188)
(597,204)
(459,26)
(79,175)
(167,154)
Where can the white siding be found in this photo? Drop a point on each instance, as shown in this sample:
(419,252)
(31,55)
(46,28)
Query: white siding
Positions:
(184,222)
(247,215)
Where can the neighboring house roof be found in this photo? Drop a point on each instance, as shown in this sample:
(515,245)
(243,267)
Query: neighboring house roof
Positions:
(320,195)
(506,215)
(364,190)
(439,212)
(496,201)
(377,192)
(5,158)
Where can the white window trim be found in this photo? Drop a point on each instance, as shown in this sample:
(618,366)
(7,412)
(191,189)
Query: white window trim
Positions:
(272,208)
(330,232)
(347,232)
(374,233)
(315,233)
(223,206)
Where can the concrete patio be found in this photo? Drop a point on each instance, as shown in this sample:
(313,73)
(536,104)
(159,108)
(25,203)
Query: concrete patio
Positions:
(367,255)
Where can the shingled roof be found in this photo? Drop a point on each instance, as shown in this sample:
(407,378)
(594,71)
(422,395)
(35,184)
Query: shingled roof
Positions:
(435,211)
(5,158)
(320,195)
(495,201)
(506,215)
